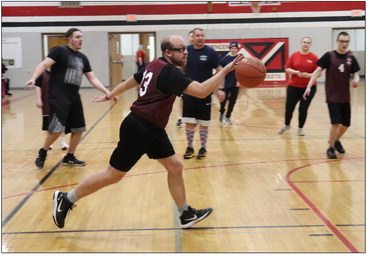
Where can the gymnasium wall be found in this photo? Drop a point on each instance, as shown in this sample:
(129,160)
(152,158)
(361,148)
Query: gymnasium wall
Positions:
(314,19)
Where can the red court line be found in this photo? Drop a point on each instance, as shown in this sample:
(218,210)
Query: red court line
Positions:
(324,219)
(12,100)
(185,169)
(320,181)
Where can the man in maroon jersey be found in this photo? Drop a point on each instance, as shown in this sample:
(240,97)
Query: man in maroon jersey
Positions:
(142,131)
(339,65)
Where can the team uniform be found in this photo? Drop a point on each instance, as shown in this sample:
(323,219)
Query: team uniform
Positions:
(338,67)
(65,80)
(142,131)
(297,86)
(200,65)
(42,82)
(230,89)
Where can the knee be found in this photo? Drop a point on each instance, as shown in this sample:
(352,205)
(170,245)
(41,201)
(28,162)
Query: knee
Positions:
(112,175)
(176,168)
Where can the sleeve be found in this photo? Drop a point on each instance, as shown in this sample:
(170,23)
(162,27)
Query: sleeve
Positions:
(172,81)
(324,61)
(355,65)
(55,53)
(289,63)
(138,76)
(87,67)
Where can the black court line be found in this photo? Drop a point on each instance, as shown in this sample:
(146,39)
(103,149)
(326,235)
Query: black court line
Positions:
(156,229)
(320,234)
(43,180)
(170,229)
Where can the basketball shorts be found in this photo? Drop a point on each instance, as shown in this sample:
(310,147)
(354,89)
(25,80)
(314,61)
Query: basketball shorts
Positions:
(139,137)
(66,115)
(196,111)
(339,113)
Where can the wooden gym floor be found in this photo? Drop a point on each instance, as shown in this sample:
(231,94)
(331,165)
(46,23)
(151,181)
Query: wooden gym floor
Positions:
(270,192)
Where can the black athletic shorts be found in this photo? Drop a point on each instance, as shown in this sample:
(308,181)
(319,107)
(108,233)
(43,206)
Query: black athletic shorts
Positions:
(139,137)
(195,110)
(66,115)
(339,113)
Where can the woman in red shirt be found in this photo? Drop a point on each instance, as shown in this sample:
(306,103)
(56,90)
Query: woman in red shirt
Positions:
(300,66)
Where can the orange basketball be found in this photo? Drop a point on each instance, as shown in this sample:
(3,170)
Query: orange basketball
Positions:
(250,72)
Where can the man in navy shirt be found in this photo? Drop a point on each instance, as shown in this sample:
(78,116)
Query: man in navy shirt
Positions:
(201,61)
(143,130)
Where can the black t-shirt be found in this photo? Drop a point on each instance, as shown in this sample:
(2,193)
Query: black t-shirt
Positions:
(67,73)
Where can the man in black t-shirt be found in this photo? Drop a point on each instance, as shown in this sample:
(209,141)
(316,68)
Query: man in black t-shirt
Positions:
(339,65)
(67,68)
(143,130)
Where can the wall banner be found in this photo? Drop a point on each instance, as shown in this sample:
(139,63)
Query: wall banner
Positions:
(273,52)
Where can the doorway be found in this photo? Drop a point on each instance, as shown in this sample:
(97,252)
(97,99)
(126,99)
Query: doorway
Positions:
(122,51)
(52,40)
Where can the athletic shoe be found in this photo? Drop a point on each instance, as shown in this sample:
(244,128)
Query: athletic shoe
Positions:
(284,128)
(189,153)
(64,144)
(220,117)
(62,205)
(202,153)
(179,122)
(191,216)
(227,121)
(40,161)
(71,160)
(339,147)
(300,132)
(331,153)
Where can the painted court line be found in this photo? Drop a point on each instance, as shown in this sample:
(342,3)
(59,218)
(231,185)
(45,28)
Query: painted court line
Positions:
(323,218)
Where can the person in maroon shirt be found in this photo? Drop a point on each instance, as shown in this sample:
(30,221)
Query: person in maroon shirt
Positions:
(143,130)
(300,66)
(339,65)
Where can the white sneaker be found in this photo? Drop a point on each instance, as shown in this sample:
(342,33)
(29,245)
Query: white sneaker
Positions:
(227,121)
(300,132)
(64,144)
(284,128)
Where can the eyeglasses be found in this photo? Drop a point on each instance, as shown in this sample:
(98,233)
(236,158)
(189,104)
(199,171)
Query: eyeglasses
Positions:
(343,42)
(180,49)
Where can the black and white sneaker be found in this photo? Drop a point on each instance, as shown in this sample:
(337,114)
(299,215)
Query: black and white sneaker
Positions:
(62,205)
(330,153)
(71,160)
(41,158)
(191,216)
(339,147)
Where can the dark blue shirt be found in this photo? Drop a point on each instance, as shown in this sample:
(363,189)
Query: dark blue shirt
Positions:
(201,62)
(230,80)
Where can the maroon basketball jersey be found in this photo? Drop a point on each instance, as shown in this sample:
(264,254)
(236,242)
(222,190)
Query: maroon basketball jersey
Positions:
(152,105)
(337,81)
(43,82)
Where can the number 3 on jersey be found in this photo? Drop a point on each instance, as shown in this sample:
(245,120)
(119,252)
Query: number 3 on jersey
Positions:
(145,83)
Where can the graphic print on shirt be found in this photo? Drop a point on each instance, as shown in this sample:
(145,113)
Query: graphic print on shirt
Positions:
(145,82)
(74,72)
